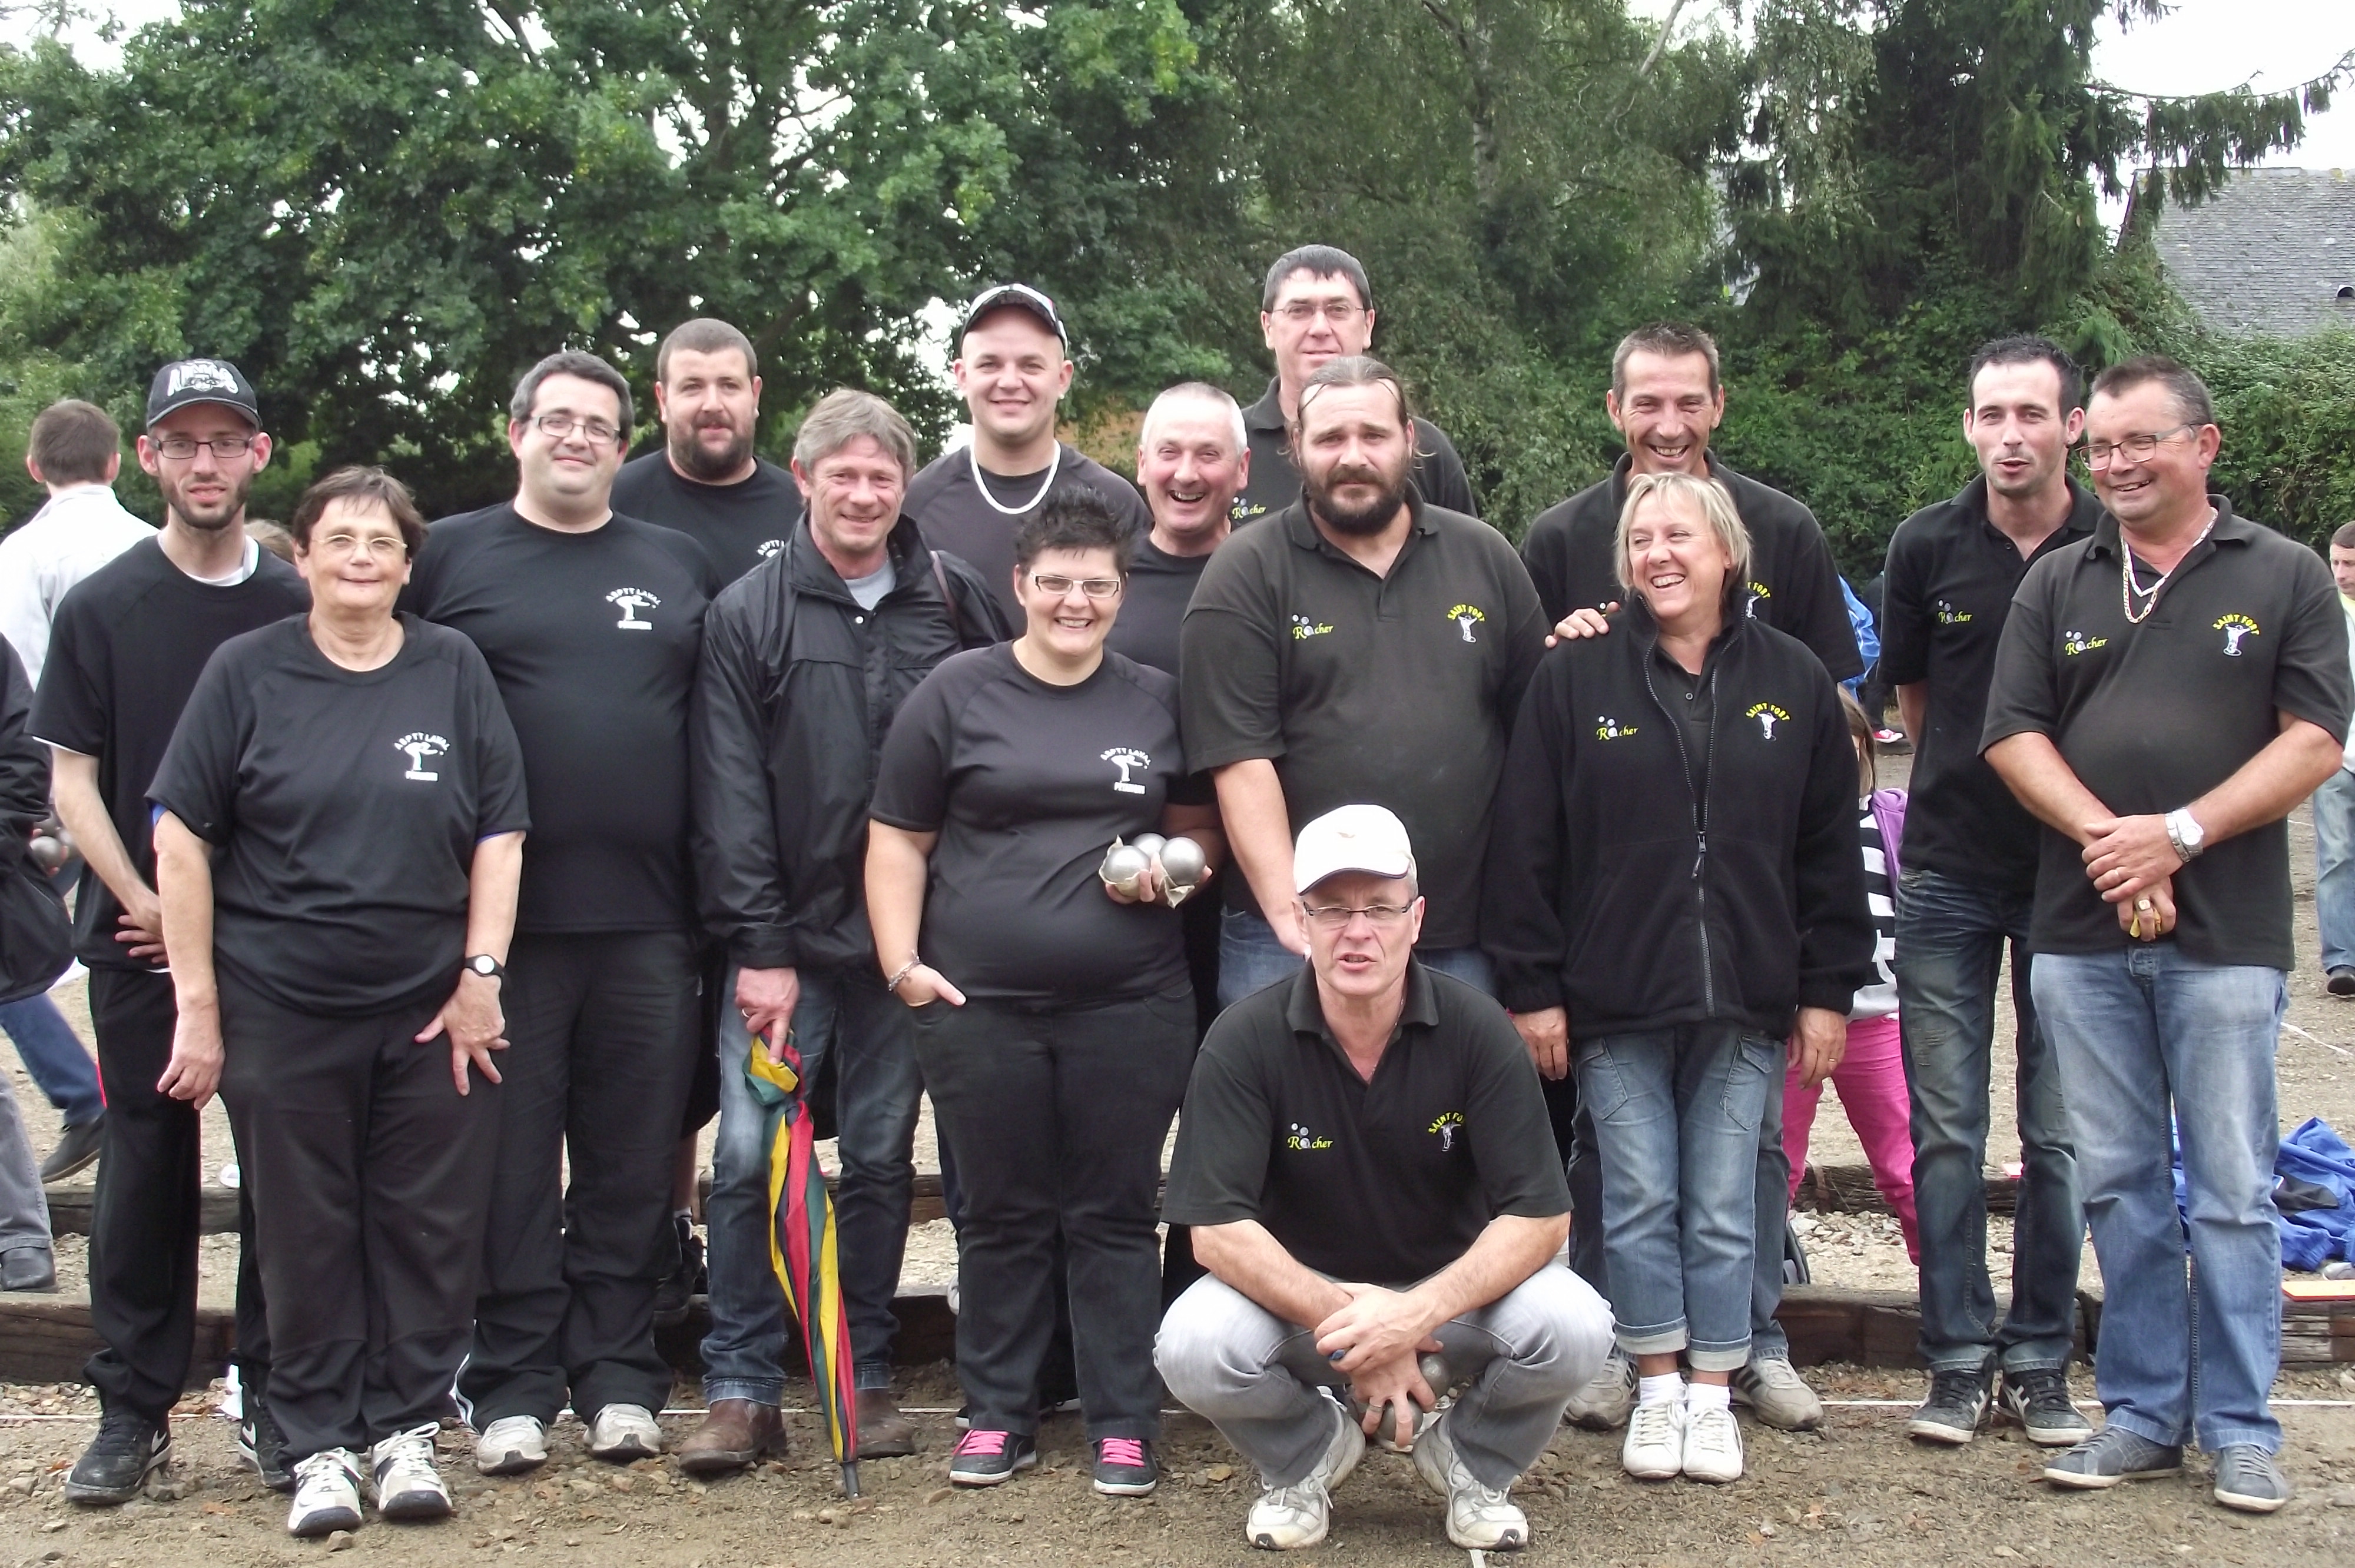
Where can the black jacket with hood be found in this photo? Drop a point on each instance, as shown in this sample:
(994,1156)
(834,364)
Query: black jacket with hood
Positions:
(1615,889)
(797,688)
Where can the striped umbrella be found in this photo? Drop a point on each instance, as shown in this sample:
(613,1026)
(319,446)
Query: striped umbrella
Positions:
(802,1247)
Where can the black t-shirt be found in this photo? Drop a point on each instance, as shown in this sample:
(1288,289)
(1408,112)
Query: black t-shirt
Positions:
(1438,472)
(739,525)
(1028,784)
(1946,594)
(592,638)
(2150,716)
(1152,609)
(954,518)
(1398,690)
(1385,1181)
(125,651)
(1793,585)
(344,806)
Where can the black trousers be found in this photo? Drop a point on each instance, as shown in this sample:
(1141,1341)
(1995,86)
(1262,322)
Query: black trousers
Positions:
(369,1174)
(602,1033)
(1056,1117)
(1573,1137)
(144,1218)
(1199,917)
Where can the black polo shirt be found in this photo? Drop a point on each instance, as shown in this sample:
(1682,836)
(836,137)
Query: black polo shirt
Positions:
(954,516)
(1152,607)
(1793,585)
(1951,577)
(1275,484)
(1397,690)
(739,525)
(1385,1181)
(2152,716)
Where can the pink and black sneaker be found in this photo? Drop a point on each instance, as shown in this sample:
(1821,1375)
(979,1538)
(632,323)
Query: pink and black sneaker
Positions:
(988,1457)
(1124,1468)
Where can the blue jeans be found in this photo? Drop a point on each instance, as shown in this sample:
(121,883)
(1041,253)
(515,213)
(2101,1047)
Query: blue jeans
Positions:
(1251,959)
(2334,868)
(1950,942)
(848,1014)
(1677,1114)
(54,1058)
(2140,1032)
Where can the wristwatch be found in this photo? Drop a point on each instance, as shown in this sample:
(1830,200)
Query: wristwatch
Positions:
(2184,833)
(487,967)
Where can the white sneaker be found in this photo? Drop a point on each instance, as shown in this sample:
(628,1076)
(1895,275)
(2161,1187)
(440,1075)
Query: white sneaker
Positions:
(408,1484)
(326,1494)
(1655,1448)
(624,1432)
(1712,1445)
(510,1445)
(1479,1518)
(1603,1403)
(1288,1518)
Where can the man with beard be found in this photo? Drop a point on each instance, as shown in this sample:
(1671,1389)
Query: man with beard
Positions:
(707,481)
(1317,306)
(1365,646)
(124,652)
(1012,369)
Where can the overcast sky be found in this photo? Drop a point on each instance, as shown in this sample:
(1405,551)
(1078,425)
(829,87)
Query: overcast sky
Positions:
(2203,46)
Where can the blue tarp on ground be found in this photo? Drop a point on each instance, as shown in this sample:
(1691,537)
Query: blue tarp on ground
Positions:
(2318,1157)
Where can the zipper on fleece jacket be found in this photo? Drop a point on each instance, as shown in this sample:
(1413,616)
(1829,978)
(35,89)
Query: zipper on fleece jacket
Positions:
(1700,818)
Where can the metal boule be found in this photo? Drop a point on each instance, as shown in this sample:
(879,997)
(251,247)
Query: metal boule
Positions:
(1122,864)
(1147,843)
(1183,862)
(46,853)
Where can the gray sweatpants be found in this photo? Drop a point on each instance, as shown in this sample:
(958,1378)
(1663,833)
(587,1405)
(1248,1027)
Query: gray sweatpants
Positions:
(1257,1378)
(24,1211)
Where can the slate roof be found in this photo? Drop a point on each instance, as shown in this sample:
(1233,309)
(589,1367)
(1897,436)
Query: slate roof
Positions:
(2273,252)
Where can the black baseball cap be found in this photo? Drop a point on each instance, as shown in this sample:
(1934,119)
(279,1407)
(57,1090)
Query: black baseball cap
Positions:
(185,382)
(1021,297)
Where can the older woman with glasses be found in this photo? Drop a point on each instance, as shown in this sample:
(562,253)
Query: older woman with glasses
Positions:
(1054,1019)
(339,839)
(1673,891)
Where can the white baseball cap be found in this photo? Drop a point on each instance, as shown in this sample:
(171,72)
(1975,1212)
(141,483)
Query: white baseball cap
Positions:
(1351,838)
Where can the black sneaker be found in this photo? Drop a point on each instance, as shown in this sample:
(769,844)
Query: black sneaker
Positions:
(984,1457)
(2341,981)
(1124,1468)
(2040,1402)
(78,1149)
(1957,1407)
(127,1450)
(686,1279)
(261,1443)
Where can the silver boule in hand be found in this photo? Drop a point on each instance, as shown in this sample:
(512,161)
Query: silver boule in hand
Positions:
(1122,864)
(1147,844)
(1183,865)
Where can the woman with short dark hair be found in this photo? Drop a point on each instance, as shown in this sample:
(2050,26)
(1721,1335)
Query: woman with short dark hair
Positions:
(340,826)
(1054,1018)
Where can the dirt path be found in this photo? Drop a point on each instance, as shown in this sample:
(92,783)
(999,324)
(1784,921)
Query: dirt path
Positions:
(1857,1493)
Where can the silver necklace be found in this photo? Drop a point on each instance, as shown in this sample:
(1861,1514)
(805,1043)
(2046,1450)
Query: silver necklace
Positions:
(973,458)
(2131,588)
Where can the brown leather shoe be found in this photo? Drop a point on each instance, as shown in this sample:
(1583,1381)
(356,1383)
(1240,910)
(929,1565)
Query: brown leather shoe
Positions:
(883,1432)
(735,1432)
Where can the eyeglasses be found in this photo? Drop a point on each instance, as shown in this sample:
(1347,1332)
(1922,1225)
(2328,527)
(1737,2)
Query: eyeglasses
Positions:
(1060,587)
(1300,312)
(1337,916)
(2136,449)
(379,546)
(556,427)
(180,449)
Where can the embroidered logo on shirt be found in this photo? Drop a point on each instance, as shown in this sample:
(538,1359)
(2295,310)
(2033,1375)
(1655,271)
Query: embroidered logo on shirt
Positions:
(1447,1126)
(2234,627)
(1126,757)
(630,601)
(1949,615)
(1468,616)
(2075,642)
(1244,511)
(1768,716)
(1755,591)
(1304,628)
(1609,728)
(1302,1138)
(421,747)
(769,547)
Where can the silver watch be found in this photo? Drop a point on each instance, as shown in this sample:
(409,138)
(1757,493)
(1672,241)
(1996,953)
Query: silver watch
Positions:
(2184,833)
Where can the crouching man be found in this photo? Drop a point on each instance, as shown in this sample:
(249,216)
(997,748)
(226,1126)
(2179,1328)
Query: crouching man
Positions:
(1366,1160)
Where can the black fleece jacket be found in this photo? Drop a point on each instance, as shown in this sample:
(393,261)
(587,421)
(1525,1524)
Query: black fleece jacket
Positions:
(1617,891)
(797,688)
